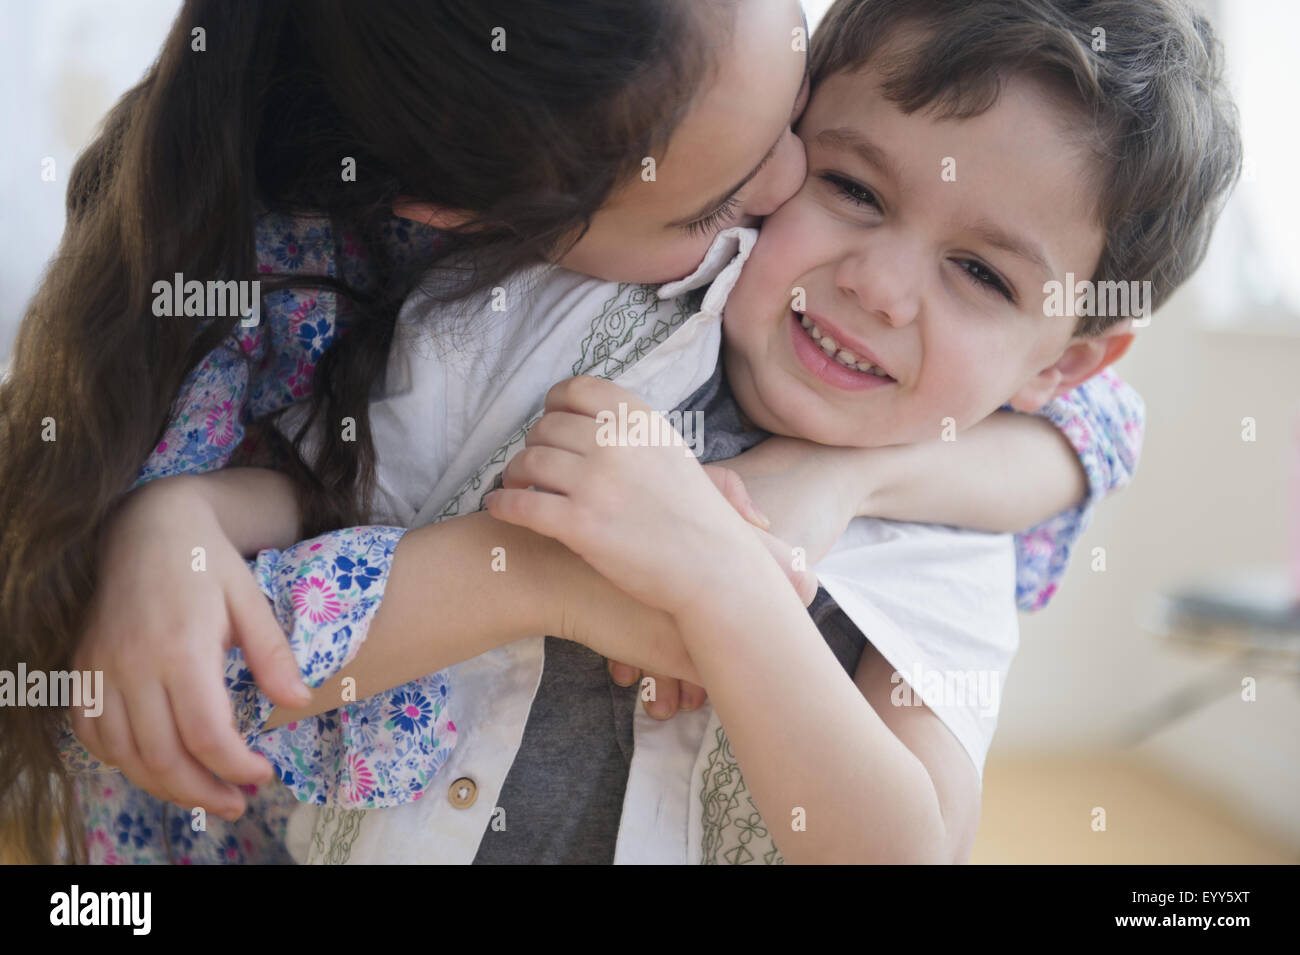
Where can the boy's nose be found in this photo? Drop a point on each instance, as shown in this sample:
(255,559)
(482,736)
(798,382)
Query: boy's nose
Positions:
(881,283)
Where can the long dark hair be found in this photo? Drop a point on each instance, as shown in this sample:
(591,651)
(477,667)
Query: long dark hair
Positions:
(256,113)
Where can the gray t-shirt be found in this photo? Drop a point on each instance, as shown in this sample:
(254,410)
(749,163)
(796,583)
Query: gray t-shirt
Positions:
(564,792)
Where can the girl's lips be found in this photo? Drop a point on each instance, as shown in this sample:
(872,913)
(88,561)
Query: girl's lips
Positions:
(826,368)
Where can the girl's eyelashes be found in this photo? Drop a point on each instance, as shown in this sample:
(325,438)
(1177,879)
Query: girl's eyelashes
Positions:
(713,220)
(985,277)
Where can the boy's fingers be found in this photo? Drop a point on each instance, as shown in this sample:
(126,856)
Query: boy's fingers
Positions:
(732,487)
(265,646)
(659,695)
(545,467)
(692,695)
(623,674)
(802,579)
(541,513)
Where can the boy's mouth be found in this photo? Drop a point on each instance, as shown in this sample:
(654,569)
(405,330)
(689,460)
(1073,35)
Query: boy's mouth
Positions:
(824,357)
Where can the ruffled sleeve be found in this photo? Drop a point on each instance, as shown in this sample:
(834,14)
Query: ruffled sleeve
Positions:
(368,754)
(1103,420)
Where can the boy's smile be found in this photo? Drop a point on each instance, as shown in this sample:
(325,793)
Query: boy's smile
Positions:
(916,253)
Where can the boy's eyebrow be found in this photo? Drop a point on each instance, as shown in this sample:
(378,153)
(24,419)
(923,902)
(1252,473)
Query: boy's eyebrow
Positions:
(999,238)
(716,204)
(848,139)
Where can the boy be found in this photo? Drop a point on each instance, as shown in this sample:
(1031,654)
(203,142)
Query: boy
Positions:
(919,298)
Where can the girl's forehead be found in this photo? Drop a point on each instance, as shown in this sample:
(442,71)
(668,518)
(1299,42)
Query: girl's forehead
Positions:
(744,108)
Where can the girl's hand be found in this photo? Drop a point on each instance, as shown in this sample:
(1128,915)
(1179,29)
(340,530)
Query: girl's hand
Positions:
(671,693)
(159,629)
(645,516)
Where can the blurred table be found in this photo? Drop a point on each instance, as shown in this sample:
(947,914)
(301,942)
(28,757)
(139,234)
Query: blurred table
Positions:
(1251,615)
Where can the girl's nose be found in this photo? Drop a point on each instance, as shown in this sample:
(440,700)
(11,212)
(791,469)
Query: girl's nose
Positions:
(780,179)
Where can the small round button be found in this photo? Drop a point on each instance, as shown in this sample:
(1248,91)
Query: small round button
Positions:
(462,793)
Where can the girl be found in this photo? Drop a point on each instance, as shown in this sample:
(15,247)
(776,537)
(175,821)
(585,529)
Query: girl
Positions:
(512,213)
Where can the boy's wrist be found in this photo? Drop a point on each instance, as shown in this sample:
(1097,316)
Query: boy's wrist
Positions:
(865,477)
(728,583)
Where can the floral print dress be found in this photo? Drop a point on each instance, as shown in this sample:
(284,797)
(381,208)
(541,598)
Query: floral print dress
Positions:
(384,750)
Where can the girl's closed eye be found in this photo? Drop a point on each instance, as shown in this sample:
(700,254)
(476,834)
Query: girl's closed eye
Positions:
(714,220)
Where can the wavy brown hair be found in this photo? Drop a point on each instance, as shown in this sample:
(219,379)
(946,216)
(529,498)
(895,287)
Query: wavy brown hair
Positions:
(530,141)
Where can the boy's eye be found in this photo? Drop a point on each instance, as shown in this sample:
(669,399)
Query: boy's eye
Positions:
(854,192)
(984,277)
(713,220)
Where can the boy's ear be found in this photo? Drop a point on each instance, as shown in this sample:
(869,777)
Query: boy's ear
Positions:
(428,214)
(1082,359)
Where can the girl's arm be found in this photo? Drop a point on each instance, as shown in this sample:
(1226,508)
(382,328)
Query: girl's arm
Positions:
(443,600)
(1005,474)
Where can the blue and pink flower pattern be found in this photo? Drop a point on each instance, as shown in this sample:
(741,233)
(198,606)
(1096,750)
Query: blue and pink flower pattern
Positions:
(384,750)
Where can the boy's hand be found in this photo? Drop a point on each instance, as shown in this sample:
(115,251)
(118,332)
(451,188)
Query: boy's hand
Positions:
(810,491)
(647,517)
(670,693)
(159,629)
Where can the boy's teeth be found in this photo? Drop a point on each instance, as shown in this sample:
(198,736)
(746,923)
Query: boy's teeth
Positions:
(841,355)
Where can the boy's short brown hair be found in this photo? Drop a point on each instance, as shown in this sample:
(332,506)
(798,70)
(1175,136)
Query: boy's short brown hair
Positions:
(1145,76)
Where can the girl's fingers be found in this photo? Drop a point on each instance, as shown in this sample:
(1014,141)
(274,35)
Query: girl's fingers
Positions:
(186,782)
(264,644)
(206,724)
(544,466)
(119,747)
(196,786)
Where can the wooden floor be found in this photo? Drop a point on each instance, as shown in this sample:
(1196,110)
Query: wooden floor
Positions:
(1041,810)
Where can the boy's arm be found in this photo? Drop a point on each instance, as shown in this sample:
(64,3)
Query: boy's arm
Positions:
(873,784)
